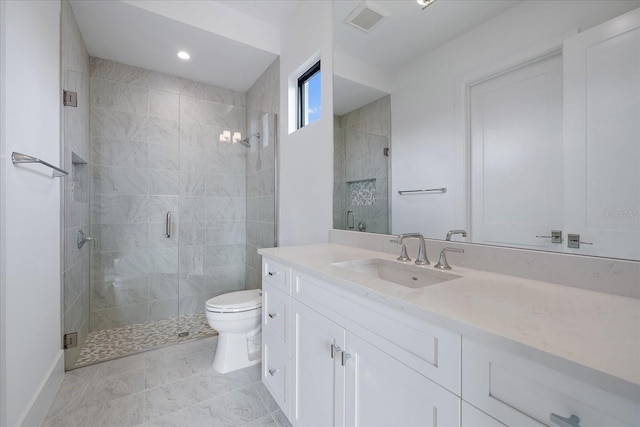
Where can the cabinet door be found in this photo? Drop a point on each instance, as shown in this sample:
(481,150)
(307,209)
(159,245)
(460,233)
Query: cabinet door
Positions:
(317,374)
(381,391)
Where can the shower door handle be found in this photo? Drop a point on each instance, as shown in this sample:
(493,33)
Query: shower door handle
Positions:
(168,226)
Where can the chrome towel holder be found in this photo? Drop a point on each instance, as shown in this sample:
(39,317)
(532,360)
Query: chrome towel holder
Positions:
(427,191)
(17,158)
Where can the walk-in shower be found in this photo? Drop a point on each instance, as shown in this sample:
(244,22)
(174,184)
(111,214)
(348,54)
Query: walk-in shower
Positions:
(177,214)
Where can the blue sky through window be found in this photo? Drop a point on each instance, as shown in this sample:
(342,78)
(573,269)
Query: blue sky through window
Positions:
(313,100)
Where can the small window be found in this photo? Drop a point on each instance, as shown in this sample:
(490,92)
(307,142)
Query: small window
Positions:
(309,96)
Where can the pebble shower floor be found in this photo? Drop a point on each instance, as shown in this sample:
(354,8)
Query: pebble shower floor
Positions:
(117,342)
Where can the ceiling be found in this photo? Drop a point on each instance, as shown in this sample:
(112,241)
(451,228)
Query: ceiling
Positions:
(232,42)
(123,32)
(407,33)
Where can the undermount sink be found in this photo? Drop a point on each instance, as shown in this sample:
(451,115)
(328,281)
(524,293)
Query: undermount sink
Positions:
(407,275)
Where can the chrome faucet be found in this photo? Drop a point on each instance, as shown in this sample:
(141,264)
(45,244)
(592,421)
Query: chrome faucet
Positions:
(452,232)
(421,259)
(442,262)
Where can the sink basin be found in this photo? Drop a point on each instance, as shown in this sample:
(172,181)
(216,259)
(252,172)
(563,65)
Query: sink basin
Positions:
(407,275)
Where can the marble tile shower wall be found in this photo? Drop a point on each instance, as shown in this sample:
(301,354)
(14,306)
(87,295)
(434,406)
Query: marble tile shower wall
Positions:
(262,98)
(155,149)
(362,135)
(75,66)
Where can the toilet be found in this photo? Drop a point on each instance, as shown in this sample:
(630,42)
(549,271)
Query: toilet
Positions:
(237,318)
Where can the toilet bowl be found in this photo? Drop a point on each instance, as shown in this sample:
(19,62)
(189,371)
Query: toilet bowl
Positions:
(237,318)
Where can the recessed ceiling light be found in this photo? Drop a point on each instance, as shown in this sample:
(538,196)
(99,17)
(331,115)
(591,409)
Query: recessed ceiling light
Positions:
(183,55)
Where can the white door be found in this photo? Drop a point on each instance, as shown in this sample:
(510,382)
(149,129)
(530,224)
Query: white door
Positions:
(319,377)
(602,137)
(516,156)
(381,391)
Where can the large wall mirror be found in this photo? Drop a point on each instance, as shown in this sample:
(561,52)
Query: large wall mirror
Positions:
(516,121)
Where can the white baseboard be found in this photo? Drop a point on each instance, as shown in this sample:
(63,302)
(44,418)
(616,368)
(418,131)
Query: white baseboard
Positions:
(41,401)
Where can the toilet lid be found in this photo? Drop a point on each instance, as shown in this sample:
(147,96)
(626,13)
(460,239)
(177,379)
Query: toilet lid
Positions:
(233,302)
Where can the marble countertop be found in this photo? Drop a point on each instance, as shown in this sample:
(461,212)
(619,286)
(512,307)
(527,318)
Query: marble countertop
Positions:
(592,330)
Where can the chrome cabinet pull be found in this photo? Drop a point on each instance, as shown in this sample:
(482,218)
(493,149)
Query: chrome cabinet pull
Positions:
(345,356)
(273,273)
(572,421)
(168,226)
(272,315)
(334,349)
(272,372)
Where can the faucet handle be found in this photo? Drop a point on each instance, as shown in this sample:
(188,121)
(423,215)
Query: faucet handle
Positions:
(404,257)
(422,256)
(442,261)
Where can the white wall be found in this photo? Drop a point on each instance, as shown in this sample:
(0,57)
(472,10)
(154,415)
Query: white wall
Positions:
(428,134)
(30,211)
(306,155)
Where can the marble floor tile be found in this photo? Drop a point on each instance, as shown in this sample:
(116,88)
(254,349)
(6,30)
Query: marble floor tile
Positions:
(236,408)
(124,392)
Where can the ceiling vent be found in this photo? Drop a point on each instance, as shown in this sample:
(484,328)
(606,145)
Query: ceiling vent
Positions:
(366,16)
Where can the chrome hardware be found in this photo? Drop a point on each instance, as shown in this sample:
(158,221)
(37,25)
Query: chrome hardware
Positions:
(334,349)
(70,99)
(345,356)
(442,262)
(272,372)
(17,158)
(572,421)
(362,226)
(272,315)
(421,259)
(183,334)
(82,239)
(429,190)
(556,236)
(273,273)
(351,220)
(70,340)
(404,257)
(452,232)
(168,226)
(574,241)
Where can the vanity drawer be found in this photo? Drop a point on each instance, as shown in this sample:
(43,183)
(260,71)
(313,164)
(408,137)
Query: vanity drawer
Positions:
(275,369)
(277,274)
(473,417)
(275,311)
(519,392)
(428,349)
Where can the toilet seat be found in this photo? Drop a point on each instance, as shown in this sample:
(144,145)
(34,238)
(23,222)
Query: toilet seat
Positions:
(235,302)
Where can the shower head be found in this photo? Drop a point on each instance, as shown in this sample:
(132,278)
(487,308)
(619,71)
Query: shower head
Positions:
(245,142)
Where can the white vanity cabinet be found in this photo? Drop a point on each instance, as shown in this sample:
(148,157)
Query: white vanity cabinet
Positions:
(519,392)
(342,380)
(276,374)
(352,363)
(339,354)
